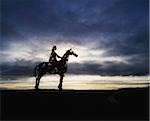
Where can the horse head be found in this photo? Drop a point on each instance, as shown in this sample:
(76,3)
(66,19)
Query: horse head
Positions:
(69,52)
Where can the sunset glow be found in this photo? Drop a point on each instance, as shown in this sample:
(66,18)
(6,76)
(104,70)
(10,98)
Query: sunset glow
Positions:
(79,82)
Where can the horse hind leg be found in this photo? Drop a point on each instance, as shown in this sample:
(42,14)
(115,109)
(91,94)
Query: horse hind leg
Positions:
(37,82)
(38,79)
(40,73)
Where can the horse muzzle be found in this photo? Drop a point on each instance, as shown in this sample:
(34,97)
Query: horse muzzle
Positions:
(75,54)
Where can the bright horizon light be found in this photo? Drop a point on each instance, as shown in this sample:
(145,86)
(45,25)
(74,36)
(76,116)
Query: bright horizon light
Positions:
(81,82)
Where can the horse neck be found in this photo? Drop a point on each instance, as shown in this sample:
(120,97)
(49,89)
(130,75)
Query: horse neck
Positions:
(65,56)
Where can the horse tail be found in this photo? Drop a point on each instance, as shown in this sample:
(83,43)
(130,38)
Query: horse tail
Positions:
(35,70)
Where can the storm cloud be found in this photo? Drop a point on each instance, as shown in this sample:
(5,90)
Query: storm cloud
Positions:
(110,36)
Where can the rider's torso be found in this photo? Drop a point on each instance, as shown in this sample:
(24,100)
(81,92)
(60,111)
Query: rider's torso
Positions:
(53,57)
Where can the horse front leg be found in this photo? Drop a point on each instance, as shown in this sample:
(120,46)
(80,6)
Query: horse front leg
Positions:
(61,81)
(37,83)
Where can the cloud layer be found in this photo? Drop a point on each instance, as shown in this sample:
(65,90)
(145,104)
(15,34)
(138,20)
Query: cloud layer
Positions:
(111,37)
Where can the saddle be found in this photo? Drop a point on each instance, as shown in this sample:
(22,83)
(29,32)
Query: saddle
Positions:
(52,68)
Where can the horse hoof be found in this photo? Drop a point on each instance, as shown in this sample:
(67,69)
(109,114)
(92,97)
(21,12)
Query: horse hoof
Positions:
(36,88)
(60,89)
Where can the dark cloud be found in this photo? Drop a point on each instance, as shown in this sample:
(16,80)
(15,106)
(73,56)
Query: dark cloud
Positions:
(136,44)
(23,68)
(118,26)
(109,69)
(17,69)
(70,18)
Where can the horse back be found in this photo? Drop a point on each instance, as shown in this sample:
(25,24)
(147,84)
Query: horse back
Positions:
(43,65)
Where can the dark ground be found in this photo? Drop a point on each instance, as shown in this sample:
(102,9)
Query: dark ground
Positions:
(123,104)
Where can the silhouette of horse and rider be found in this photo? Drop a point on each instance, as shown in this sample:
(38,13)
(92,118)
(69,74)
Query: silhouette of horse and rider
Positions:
(53,66)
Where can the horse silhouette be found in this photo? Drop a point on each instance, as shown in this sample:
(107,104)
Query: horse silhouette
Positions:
(60,68)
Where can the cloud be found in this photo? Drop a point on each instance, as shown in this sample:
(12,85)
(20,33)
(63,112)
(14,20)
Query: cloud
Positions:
(108,69)
(91,60)
(17,69)
(22,68)
(136,44)
(35,52)
(71,18)
(109,37)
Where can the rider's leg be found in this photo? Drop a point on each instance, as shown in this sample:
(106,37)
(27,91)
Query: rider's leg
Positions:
(52,67)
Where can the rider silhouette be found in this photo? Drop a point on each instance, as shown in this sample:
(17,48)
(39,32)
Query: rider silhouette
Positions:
(53,60)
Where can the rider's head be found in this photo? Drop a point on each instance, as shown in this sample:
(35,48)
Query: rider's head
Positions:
(70,50)
(54,47)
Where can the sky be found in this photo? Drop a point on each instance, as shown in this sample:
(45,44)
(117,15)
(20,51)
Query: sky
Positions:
(111,37)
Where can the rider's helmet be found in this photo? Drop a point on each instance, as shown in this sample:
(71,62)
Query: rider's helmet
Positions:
(70,50)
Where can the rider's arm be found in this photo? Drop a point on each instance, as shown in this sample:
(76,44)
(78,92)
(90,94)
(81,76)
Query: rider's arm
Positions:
(58,56)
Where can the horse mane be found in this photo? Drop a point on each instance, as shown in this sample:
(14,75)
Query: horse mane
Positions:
(65,54)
